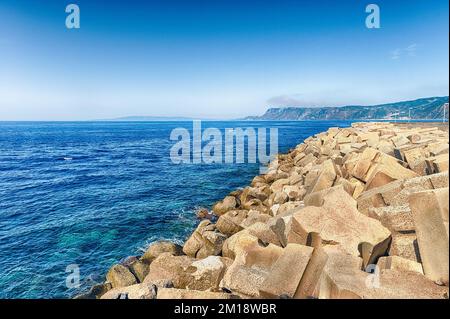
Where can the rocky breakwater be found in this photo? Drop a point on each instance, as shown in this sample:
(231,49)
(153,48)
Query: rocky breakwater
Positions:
(359,212)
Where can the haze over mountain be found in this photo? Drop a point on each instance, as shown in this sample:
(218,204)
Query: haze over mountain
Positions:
(424,108)
(144,118)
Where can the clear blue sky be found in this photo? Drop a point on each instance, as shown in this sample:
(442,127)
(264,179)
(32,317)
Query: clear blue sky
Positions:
(217,59)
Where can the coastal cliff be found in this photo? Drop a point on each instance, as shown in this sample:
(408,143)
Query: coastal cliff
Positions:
(358,212)
(425,108)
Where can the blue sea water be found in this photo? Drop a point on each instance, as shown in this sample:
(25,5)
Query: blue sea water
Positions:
(92,193)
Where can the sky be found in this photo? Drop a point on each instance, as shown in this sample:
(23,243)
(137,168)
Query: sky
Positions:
(215,59)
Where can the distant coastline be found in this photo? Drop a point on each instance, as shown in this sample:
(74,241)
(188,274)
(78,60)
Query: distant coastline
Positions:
(423,109)
(431,108)
(146,118)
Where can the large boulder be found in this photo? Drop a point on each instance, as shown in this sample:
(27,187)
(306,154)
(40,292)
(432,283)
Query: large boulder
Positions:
(399,263)
(371,138)
(348,186)
(250,268)
(120,276)
(438,148)
(385,146)
(159,247)
(326,177)
(400,140)
(363,163)
(437,164)
(258,181)
(136,291)
(296,273)
(286,208)
(294,192)
(415,158)
(281,225)
(227,204)
(257,232)
(261,193)
(343,279)
(339,222)
(172,268)
(405,245)
(394,218)
(376,169)
(430,213)
(230,223)
(264,233)
(410,186)
(295,178)
(171,293)
(236,244)
(397,193)
(277,186)
(385,173)
(187,273)
(340,265)
(278,198)
(207,273)
(204,241)
(308,159)
(255,204)
(254,217)
(138,268)
(439,180)
(317,198)
(379,196)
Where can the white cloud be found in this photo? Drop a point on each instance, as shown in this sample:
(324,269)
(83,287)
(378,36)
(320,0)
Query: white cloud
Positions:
(395,55)
(409,51)
(320,98)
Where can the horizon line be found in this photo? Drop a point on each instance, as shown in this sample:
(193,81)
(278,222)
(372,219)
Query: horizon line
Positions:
(158,118)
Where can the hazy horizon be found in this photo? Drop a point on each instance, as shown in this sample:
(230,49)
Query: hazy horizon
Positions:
(157,118)
(144,117)
(274,106)
(215,60)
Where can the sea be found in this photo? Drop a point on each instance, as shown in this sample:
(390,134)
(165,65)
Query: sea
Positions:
(89,194)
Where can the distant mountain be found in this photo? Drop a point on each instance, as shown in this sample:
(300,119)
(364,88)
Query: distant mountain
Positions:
(149,118)
(426,108)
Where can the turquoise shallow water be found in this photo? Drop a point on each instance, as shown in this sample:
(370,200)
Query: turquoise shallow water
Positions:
(93,193)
